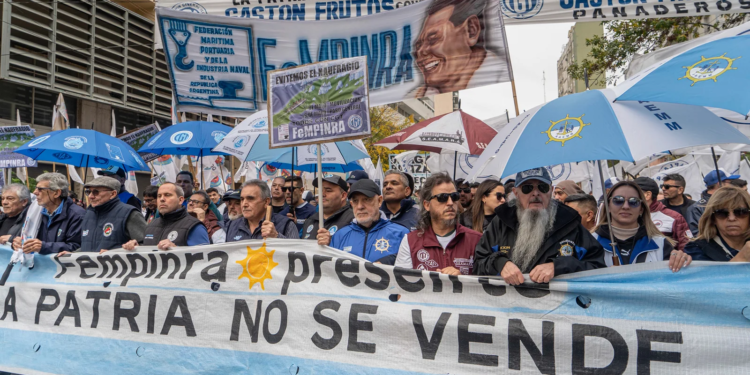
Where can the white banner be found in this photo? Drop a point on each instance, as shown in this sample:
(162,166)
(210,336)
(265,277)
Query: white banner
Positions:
(220,64)
(292,307)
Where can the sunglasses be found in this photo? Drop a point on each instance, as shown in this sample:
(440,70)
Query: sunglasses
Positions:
(740,213)
(543,188)
(500,196)
(443,197)
(465,191)
(94,192)
(619,201)
(289,188)
(667,187)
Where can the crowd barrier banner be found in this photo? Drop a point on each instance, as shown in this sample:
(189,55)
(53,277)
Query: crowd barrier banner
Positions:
(290,307)
(220,64)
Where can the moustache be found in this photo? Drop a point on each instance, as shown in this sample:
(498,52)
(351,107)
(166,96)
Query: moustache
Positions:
(535,200)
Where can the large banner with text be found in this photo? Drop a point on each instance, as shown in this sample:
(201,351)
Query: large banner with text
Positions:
(292,307)
(219,64)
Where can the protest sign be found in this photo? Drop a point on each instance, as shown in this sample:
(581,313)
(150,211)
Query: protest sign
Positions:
(220,64)
(11,138)
(292,307)
(414,163)
(138,137)
(316,103)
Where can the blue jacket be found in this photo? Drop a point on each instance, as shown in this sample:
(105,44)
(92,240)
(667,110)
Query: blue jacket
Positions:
(63,233)
(128,198)
(382,240)
(302,214)
(407,215)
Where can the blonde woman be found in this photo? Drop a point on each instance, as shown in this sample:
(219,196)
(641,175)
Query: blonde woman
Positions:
(724,228)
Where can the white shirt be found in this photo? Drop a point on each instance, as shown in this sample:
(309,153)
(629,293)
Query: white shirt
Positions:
(403,259)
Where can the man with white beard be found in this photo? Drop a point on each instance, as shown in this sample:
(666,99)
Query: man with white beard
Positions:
(534,234)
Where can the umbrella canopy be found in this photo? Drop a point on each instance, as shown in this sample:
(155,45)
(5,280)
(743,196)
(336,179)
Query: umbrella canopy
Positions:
(83,148)
(196,138)
(711,71)
(455,131)
(589,126)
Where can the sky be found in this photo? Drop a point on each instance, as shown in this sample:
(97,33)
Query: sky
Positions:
(533,49)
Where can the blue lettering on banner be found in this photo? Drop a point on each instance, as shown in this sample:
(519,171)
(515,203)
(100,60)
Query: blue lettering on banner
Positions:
(661,116)
(263,65)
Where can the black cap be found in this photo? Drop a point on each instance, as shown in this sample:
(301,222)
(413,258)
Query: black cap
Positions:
(355,176)
(231,195)
(112,171)
(367,187)
(336,180)
(647,184)
(411,181)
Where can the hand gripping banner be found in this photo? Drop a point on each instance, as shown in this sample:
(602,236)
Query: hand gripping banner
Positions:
(290,307)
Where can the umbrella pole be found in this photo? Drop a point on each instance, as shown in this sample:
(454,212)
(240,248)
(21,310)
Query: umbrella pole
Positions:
(27,176)
(613,243)
(455,163)
(291,207)
(716,165)
(319,167)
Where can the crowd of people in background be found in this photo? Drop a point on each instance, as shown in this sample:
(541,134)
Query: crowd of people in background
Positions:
(525,226)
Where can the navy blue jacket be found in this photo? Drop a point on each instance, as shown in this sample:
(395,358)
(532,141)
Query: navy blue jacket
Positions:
(382,240)
(64,232)
(128,198)
(238,229)
(302,214)
(407,215)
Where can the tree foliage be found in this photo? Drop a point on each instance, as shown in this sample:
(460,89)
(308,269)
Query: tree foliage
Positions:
(384,121)
(611,53)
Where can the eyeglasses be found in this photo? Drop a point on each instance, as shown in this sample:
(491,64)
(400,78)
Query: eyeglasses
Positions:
(443,197)
(619,201)
(543,188)
(739,213)
(667,187)
(94,192)
(465,191)
(193,201)
(43,188)
(500,196)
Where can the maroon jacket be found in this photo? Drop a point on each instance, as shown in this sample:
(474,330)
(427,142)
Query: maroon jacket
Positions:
(671,224)
(427,254)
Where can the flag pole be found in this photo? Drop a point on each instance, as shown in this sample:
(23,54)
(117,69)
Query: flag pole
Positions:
(321,221)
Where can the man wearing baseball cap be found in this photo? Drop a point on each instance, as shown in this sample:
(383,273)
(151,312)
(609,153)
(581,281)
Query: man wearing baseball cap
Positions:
(371,237)
(670,223)
(109,223)
(337,213)
(355,176)
(535,234)
(713,182)
(125,196)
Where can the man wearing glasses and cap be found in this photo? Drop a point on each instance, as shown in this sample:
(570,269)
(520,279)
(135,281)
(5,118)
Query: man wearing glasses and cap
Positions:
(337,213)
(124,195)
(369,236)
(535,234)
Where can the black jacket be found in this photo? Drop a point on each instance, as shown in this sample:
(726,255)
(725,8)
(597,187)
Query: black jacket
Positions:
(682,209)
(338,220)
(569,245)
(15,230)
(709,251)
(467,220)
(407,215)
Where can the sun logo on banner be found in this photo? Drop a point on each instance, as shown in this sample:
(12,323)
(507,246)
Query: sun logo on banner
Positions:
(565,129)
(709,68)
(257,266)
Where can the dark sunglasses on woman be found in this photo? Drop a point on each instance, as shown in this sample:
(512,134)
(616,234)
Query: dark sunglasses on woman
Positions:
(739,213)
(619,201)
(500,196)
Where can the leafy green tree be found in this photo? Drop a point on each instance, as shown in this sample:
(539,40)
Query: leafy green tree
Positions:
(611,53)
(384,121)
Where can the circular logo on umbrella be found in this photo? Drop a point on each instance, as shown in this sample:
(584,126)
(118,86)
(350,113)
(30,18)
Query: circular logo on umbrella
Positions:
(218,136)
(565,129)
(557,171)
(313,149)
(30,161)
(240,141)
(355,122)
(38,141)
(259,124)
(62,155)
(708,68)
(74,142)
(181,137)
(99,160)
(521,9)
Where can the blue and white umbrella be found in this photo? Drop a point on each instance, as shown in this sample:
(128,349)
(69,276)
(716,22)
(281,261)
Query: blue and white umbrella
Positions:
(589,126)
(196,138)
(83,148)
(711,71)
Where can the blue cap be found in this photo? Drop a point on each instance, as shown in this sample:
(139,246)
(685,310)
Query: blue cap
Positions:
(710,178)
(608,183)
(355,176)
(541,174)
(112,171)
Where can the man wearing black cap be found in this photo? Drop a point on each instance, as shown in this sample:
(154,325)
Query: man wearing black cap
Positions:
(355,176)
(398,206)
(337,213)
(369,236)
(535,234)
(109,223)
(124,195)
(669,222)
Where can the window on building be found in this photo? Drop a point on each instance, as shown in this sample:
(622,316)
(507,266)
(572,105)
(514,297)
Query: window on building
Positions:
(44,103)
(15,97)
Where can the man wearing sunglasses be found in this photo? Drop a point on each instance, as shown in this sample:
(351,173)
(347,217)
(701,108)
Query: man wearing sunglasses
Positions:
(464,190)
(109,223)
(278,197)
(199,208)
(673,188)
(124,195)
(535,234)
(299,209)
(60,229)
(713,182)
(440,243)
(670,223)
(398,206)
(371,237)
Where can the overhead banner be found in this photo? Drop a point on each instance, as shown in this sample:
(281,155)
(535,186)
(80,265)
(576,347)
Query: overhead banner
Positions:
(11,138)
(317,103)
(513,12)
(138,137)
(220,64)
(290,307)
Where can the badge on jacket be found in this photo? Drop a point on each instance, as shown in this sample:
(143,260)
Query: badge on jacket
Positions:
(172,235)
(332,230)
(59,232)
(382,245)
(107,229)
(237,238)
(309,228)
(84,234)
(566,248)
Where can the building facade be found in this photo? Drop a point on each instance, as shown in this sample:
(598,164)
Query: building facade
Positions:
(576,51)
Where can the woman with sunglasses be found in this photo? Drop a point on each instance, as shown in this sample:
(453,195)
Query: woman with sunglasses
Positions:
(637,239)
(724,228)
(489,195)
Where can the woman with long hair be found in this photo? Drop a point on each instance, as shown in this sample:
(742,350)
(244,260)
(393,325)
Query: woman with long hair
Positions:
(724,228)
(489,195)
(636,237)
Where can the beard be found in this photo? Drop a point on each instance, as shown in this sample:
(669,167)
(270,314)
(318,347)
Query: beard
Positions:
(533,227)
(437,218)
(234,216)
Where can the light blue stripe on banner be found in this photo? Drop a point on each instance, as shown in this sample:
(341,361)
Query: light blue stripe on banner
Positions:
(81,355)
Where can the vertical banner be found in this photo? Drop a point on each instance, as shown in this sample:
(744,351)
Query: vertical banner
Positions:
(318,103)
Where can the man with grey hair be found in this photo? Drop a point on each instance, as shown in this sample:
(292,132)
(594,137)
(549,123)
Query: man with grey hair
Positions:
(16,200)
(398,206)
(255,197)
(534,234)
(60,229)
